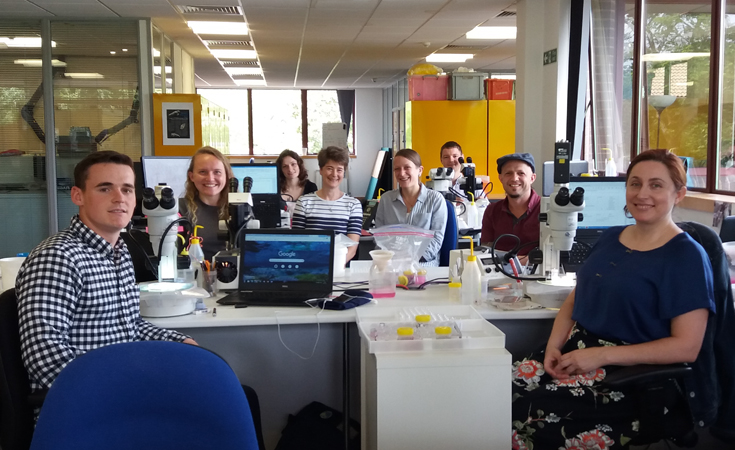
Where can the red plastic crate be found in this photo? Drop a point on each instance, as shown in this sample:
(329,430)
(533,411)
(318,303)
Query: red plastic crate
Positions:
(499,89)
(428,87)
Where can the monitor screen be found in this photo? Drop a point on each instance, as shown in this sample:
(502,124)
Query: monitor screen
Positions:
(604,199)
(265,177)
(170,170)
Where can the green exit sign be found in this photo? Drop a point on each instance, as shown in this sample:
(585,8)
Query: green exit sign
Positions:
(550,57)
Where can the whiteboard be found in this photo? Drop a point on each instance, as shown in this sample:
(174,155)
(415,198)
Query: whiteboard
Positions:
(170,170)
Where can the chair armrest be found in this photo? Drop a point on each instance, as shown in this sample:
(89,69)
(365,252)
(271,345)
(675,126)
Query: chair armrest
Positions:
(35,400)
(645,373)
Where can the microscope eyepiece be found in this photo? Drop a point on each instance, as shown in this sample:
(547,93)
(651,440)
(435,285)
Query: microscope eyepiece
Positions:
(247,184)
(233,185)
(440,171)
(562,197)
(577,197)
(469,160)
(167,198)
(461,160)
(149,199)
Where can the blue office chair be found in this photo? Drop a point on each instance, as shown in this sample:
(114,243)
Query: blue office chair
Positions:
(450,235)
(146,395)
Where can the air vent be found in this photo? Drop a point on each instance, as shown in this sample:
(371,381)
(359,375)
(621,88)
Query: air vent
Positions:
(220,43)
(504,14)
(222,10)
(240,63)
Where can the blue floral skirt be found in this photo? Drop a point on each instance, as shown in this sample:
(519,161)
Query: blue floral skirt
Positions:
(575,413)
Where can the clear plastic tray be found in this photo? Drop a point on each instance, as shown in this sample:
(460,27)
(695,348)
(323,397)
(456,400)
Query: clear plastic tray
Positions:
(469,329)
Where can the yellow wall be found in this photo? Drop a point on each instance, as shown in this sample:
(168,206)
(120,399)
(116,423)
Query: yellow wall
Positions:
(485,129)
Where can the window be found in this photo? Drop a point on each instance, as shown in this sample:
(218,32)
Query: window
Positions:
(268,121)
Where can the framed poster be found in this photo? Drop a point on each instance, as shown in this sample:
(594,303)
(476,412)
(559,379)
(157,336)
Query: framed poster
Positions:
(178,123)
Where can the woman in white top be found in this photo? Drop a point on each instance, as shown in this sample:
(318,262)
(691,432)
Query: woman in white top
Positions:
(413,203)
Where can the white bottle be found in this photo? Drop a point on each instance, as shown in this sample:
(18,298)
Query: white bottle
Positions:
(471,281)
(471,277)
(472,213)
(610,169)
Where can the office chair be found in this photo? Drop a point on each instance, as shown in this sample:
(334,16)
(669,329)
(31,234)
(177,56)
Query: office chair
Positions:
(727,230)
(450,235)
(16,401)
(146,395)
(669,385)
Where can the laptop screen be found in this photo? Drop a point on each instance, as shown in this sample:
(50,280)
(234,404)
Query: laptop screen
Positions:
(286,259)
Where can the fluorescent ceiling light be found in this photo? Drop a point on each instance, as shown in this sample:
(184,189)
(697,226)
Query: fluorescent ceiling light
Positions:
(22,42)
(38,62)
(492,33)
(661,57)
(88,76)
(218,27)
(157,69)
(250,82)
(448,57)
(234,54)
(244,70)
(156,53)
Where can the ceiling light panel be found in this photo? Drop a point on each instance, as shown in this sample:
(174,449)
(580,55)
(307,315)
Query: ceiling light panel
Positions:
(492,33)
(218,28)
(82,75)
(38,62)
(234,71)
(448,57)
(22,42)
(250,82)
(233,54)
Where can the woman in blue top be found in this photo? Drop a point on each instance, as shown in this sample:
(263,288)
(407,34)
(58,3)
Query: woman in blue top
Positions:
(631,306)
(413,203)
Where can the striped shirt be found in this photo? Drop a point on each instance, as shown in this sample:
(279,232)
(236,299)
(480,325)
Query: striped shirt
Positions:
(343,215)
(76,292)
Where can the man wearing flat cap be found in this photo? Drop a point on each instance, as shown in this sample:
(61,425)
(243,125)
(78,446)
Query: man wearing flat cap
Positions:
(518,213)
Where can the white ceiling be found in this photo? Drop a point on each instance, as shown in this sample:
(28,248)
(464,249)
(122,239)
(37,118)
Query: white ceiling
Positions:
(314,43)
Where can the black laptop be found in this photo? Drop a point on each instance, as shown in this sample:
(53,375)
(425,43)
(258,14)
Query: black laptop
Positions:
(281,267)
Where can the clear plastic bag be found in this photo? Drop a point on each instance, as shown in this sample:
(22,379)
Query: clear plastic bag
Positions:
(408,243)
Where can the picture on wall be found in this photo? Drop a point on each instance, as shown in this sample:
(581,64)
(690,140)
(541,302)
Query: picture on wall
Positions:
(178,125)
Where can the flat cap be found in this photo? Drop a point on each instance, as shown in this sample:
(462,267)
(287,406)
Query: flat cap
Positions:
(525,157)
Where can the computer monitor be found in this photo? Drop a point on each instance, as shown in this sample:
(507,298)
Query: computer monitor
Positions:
(265,177)
(576,168)
(171,170)
(604,199)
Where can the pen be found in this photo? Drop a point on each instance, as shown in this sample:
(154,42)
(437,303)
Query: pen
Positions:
(214,312)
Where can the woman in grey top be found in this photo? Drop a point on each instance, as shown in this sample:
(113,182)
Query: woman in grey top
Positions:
(413,203)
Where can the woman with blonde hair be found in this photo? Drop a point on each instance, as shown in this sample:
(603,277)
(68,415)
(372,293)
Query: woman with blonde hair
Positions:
(205,201)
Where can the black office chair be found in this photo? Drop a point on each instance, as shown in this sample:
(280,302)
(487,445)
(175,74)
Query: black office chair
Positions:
(727,230)
(660,386)
(16,401)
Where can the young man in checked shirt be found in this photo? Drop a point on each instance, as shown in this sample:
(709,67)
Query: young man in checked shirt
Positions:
(76,291)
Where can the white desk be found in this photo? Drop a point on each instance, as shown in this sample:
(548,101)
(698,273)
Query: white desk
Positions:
(248,340)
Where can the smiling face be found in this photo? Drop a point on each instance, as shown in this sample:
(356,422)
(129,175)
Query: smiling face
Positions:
(406,173)
(107,201)
(332,174)
(450,158)
(650,193)
(209,177)
(516,178)
(290,168)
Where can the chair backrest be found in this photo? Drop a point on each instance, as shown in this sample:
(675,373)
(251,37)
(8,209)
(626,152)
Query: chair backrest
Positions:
(450,235)
(146,395)
(720,333)
(727,231)
(16,415)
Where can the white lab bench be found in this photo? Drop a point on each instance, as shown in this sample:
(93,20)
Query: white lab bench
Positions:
(252,341)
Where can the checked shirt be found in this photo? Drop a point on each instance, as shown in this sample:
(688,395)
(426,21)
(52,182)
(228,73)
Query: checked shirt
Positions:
(77,292)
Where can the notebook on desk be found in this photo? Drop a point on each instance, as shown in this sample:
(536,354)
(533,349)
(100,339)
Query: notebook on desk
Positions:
(281,267)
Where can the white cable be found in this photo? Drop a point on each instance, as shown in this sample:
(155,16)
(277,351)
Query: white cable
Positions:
(318,333)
